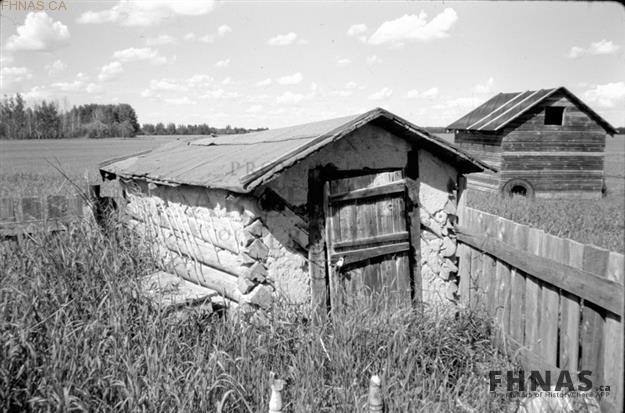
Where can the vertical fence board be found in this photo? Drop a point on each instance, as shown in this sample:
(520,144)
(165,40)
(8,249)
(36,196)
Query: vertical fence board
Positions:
(31,209)
(613,338)
(57,207)
(503,280)
(593,317)
(570,311)
(489,223)
(552,247)
(7,210)
(533,297)
(518,280)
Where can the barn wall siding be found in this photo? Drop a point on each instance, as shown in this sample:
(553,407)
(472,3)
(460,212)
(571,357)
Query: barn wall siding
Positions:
(559,161)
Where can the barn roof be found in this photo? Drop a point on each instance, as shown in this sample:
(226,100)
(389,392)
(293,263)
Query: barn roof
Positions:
(242,162)
(503,108)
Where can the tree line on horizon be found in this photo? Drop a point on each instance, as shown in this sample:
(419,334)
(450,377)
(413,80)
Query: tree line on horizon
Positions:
(44,120)
(191,129)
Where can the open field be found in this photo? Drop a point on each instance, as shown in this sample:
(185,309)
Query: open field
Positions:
(26,166)
(25,170)
(75,335)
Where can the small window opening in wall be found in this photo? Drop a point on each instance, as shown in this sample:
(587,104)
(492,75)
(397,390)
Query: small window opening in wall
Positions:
(554,115)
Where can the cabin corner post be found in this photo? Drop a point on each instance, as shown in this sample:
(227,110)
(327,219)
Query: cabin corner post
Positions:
(317,243)
(414,224)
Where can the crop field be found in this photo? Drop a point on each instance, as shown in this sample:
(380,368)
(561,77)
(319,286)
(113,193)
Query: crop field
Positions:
(27,168)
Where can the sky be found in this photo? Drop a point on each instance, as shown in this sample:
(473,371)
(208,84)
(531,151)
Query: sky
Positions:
(273,64)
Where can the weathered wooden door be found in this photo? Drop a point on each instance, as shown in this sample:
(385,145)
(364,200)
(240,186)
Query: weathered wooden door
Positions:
(368,239)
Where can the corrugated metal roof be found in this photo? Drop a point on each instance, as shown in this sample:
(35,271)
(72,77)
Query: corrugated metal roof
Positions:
(503,108)
(242,162)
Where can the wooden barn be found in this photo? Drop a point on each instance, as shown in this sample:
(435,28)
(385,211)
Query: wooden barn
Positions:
(545,143)
(318,213)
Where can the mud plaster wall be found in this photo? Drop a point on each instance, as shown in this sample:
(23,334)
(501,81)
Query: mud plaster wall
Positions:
(224,241)
(375,148)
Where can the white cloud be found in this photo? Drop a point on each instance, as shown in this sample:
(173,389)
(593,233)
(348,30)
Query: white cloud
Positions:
(6,59)
(351,85)
(207,38)
(254,109)
(342,93)
(430,93)
(343,62)
(227,81)
(371,60)
(146,13)
(263,83)
(110,71)
(180,101)
(602,47)
(189,36)
(608,95)
(282,39)
(93,88)
(39,32)
(483,88)
(133,54)
(410,28)
(381,94)
(358,31)
(10,75)
(55,67)
(460,104)
(412,94)
(290,97)
(223,30)
(293,79)
(223,63)
(160,40)
(199,80)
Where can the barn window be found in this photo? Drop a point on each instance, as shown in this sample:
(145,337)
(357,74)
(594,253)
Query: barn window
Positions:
(554,115)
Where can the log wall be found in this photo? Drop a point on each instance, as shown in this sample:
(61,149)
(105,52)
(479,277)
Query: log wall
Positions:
(222,241)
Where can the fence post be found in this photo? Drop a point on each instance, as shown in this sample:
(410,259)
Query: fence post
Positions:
(275,401)
(376,403)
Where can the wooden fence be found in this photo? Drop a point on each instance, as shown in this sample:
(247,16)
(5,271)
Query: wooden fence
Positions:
(32,214)
(558,304)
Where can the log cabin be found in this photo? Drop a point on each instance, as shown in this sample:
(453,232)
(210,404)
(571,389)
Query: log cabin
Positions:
(318,214)
(545,143)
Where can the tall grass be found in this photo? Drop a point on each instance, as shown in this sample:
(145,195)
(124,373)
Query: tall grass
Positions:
(75,334)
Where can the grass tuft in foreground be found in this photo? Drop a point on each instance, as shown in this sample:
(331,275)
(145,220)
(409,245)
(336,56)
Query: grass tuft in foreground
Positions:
(75,335)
